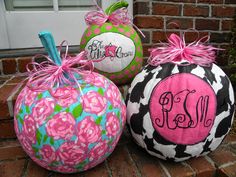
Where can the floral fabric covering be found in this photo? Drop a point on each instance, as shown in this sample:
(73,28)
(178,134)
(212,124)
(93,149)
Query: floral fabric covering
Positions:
(70,128)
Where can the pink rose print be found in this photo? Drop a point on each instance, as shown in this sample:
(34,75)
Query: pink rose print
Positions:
(112,124)
(87,166)
(94,103)
(19,100)
(17,106)
(26,144)
(71,153)
(113,95)
(123,114)
(93,163)
(29,96)
(110,50)
(42,109)
(98,151)
(48,153)
(96,80)
(29,129)
(16,126)
(114,143)
(88,131)
(65,169)
(66,96)
(41,163)
(61,126)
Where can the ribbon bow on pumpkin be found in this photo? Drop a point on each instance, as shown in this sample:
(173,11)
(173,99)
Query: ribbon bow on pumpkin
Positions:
(117,14)
(48,75)
(176,51)
(99,17)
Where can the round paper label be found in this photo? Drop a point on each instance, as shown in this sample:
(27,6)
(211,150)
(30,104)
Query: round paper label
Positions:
(112,51)
(182,108)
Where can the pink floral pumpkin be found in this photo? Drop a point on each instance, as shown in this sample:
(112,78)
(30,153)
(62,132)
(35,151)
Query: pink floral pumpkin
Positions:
(70,128)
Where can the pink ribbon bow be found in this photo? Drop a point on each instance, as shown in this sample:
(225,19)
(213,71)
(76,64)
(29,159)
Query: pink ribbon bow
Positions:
(48,75)
(120,16)
(99,17)
(176,51)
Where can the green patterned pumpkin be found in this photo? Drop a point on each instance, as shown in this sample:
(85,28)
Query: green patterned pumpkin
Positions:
(116,49)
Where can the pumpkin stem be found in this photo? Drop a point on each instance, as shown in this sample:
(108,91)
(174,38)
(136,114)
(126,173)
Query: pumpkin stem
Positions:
(49,44)
(115,6)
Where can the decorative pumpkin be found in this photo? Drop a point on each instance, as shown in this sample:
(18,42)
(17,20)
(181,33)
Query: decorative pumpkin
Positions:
(177,109)
(69,127)
(112,43)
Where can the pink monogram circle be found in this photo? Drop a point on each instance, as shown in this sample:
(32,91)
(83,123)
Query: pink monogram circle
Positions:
(182,108)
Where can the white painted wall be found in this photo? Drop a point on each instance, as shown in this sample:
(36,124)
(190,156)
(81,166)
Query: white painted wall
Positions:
(19,29)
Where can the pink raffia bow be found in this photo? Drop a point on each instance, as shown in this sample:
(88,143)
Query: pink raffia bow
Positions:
(119,16)
(47,75)
(99,17)
(176,50)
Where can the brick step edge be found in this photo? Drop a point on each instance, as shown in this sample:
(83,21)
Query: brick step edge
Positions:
(133,161)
